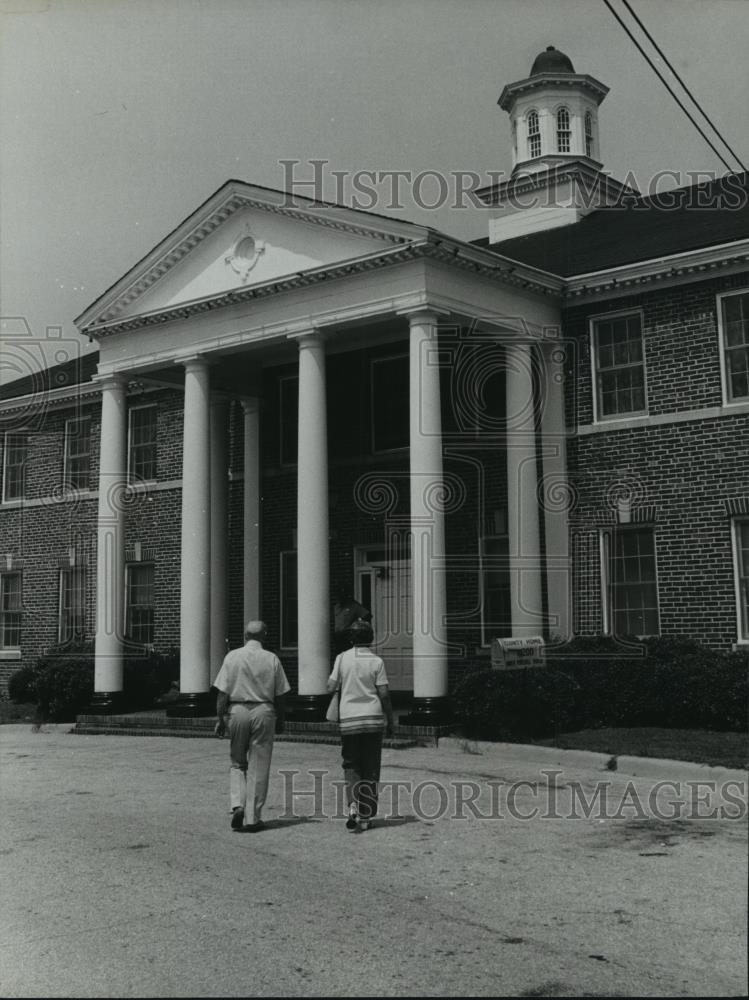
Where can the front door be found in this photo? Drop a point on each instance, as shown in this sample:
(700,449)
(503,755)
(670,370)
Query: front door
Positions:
(384,586)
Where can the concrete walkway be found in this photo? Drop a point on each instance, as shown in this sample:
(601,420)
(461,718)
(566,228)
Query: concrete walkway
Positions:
(503,875)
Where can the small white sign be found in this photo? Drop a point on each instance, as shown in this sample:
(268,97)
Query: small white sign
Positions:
(510,654)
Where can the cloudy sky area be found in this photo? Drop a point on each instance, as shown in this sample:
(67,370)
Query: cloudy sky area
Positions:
(119,117)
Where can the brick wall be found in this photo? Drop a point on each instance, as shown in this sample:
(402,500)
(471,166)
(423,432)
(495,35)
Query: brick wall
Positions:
(682,471)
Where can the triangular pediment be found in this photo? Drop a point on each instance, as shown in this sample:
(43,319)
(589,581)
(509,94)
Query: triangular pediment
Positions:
(244,236)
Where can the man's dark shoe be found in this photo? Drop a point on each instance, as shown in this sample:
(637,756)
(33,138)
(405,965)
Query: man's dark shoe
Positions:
(254,827)
(237,818)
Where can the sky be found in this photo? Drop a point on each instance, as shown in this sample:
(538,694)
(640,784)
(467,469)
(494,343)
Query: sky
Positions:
(119,117)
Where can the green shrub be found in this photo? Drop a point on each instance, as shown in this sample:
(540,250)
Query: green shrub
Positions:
(513,704)
(61,682)
(22,686)
(673,682)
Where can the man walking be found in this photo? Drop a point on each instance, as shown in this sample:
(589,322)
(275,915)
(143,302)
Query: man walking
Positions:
(251,685)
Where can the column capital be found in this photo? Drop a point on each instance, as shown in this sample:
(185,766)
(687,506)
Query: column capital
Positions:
(112,380)
(311,337)
(193,362)
(423,314)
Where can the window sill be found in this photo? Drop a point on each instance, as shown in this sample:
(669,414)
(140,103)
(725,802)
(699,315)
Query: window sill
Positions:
(10,654)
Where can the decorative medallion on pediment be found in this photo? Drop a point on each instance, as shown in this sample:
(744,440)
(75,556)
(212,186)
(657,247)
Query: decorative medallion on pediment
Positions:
(246,253)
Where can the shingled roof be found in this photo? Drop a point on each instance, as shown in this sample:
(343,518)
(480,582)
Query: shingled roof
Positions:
(638,229)
(76,371)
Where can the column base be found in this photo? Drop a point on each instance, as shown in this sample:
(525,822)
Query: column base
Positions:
(107,703)
(428,712)
(192,706)
(308,708)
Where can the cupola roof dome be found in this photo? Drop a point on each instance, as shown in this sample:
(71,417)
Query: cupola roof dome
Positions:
(552,61)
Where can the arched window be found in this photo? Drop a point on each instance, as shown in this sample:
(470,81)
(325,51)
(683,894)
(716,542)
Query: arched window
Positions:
(563,130)
(534,135)
(588,134)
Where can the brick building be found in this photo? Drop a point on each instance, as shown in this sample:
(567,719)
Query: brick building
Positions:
(538,433)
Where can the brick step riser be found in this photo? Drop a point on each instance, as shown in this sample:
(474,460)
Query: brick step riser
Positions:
(88,729)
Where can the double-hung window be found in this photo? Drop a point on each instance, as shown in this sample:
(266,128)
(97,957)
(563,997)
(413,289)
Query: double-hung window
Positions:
(390,403)
(140,603)
(619,366)
(15,453)
(77,453)
(588,134)
(288,390)
(534,135)
(72,617)
(10,610)
(630,582)
(563,131)
(734,324)
(142,443)
(741,561)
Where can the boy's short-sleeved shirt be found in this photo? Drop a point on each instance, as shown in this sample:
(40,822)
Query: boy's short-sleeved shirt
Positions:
(252,674)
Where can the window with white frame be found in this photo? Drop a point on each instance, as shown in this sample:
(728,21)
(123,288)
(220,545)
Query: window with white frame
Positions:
(588,134)
(10,610)
(496,615)
(741,557)
(139,607)
(630,582)
(289,603)
(15,455)
(142,464)
(734,316)
(389,381)
(534,135)
(563,131)
(72,617)
(619,357)
(77,462)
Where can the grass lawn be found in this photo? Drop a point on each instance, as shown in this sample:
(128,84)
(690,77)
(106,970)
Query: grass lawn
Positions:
(697,745)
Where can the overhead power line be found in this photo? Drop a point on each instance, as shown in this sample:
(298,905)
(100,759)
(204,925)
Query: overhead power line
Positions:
(666,84)
(689,93)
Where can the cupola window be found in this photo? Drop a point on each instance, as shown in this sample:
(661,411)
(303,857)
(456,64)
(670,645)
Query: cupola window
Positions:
(563,130)
(534,135)
(588,134)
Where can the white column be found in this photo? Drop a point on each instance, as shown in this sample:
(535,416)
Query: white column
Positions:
(427,514)
(312,521)
(110,534)
(557,496)
(219,536)
(251,509)
(522,501)
(196,532)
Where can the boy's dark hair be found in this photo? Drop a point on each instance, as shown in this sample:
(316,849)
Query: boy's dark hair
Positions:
(360,633)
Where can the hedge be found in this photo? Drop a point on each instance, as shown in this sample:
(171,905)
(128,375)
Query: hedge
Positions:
(595,682)
(61,682)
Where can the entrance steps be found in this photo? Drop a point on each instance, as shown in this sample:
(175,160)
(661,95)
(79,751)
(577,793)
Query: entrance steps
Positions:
(155,722)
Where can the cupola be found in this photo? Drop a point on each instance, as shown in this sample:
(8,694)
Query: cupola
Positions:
(556,173)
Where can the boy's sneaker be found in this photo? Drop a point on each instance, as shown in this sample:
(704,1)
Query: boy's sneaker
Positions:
(237,818)
(352,821)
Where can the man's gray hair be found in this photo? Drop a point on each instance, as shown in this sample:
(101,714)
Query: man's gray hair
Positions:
(255,628)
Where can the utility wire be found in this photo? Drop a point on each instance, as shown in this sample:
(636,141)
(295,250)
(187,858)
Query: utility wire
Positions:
(666,84)
(694,100)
